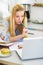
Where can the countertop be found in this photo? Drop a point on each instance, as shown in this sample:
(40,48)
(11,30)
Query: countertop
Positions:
(15,60)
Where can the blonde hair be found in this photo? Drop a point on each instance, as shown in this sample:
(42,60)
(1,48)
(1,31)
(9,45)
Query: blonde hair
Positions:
(17,7)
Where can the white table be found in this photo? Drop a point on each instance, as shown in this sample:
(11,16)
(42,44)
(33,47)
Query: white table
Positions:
(16,60)
(13,58)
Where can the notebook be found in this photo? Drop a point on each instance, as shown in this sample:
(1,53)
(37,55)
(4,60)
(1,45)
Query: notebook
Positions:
(5,43)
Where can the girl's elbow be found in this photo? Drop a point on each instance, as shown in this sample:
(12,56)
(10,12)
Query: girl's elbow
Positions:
(12,39)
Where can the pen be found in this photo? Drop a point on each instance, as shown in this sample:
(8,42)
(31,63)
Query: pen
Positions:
(27,28)
(31,33)
(31,28)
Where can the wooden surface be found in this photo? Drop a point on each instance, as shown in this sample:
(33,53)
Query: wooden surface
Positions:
(7,63)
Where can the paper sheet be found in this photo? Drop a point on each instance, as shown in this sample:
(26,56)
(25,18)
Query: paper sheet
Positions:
(15,46)
(1,40)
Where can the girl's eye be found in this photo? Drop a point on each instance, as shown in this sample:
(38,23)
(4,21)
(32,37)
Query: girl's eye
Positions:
(22,16)
(17,16)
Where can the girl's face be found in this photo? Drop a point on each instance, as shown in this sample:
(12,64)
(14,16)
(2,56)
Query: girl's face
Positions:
(19,16)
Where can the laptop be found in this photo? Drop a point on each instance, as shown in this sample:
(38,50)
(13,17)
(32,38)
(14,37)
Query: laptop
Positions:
(32,48)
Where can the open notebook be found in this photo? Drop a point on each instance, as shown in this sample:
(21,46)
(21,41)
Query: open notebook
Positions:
(5,43)
(14,47)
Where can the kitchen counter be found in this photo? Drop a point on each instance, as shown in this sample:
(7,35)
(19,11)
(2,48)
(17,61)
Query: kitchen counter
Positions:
(15,60)
(35,29)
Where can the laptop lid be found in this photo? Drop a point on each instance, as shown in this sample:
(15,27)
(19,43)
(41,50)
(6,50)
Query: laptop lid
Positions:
(32,48)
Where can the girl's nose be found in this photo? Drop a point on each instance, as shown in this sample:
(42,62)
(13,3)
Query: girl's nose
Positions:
(20,18)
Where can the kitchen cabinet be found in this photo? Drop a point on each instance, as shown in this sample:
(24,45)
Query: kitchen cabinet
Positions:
(39,1)
(11,3)
(36,14)
(25,1)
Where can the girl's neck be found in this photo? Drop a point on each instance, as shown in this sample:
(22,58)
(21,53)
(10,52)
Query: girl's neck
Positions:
(16,25)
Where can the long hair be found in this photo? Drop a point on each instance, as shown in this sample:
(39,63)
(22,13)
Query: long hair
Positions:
(17,7)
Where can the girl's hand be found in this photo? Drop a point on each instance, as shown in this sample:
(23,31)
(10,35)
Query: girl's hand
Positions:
(2,37)
(20,46)
(25,32)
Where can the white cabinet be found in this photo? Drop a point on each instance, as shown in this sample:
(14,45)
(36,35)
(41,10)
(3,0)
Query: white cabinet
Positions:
(25,1)
(39,1)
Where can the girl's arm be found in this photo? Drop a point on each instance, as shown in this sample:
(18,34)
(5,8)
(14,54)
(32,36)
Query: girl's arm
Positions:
(16,38)
(5,29)
(23,35)
(2,37)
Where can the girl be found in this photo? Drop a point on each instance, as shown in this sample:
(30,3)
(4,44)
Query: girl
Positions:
(16,31)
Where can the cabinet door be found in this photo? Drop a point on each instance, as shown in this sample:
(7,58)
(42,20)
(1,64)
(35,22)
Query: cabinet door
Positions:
(39,1)
(24,1)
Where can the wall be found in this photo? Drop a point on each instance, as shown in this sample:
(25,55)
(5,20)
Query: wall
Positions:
(3,14)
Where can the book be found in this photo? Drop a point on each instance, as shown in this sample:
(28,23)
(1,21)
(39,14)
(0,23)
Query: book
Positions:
(5,43)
